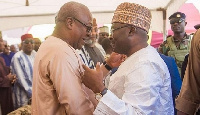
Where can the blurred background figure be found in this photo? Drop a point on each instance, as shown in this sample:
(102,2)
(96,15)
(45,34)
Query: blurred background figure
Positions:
(103,33)
(2,46)
(14,48)
(91,48)
(106,44)
(7,55)
(22,66)
(37,43)
(6,79)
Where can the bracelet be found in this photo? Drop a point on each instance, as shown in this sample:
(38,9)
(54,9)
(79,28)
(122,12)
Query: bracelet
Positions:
(104,91)
(107,66)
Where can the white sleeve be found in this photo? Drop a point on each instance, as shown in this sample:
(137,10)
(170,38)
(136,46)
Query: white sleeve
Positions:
(112,105)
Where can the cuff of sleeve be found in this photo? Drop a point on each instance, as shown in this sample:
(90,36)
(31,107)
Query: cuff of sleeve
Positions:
(113,102)
(108,104)
(186,106)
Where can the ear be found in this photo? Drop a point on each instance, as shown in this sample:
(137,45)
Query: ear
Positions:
(132,31)
(69,22)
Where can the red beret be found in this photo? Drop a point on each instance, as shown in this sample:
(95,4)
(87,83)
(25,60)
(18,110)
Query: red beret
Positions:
(25,36)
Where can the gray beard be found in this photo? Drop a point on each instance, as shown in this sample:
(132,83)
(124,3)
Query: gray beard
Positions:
(88,42)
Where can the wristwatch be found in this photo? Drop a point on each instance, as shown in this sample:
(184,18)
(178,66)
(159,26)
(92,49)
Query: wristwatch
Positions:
(107,66)
(98,96)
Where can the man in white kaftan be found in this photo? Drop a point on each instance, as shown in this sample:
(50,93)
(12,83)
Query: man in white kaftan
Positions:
(142,84)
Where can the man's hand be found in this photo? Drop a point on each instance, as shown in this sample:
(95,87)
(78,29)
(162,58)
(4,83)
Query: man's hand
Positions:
(115,59)
(93,78)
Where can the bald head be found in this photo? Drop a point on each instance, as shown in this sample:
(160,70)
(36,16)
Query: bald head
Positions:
(73,24)
(71,9)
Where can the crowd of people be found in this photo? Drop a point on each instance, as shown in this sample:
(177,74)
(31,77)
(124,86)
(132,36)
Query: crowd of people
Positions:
(82,69)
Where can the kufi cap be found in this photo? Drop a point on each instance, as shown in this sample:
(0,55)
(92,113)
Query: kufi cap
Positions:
(25,36)
(178,15)
(197,26)
(133,14)
(103,29)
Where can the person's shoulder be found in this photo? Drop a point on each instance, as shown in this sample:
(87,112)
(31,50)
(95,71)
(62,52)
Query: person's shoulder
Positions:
(12,53)
(169,37)
(18,54)
(164,57)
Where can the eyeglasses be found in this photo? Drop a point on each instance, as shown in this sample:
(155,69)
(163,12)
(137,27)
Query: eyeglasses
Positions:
(176,20)
(28,41)
(112,29)
(104,34)
(89,28)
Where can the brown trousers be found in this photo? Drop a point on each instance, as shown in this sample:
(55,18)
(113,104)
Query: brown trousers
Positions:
(6,100)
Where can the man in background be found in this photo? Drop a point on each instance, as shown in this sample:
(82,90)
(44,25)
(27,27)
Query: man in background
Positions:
(37,43)
(178,45)
(103,33)
(7,55)
(6,81)
(22,66)
(14,48)
(91,48)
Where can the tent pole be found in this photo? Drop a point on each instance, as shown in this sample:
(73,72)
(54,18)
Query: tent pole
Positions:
(164,22)
(164,25)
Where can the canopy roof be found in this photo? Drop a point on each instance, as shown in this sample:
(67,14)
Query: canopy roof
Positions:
(21,13)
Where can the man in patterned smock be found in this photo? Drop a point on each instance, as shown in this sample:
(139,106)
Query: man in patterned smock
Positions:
(22,66)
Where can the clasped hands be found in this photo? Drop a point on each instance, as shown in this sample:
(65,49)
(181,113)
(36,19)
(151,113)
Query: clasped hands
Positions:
(12,78)
(93,78)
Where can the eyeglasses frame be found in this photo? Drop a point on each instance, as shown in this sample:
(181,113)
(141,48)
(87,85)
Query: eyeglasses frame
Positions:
(89,28)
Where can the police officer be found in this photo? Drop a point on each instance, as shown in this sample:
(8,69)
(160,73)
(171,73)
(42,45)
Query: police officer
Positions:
(177,45)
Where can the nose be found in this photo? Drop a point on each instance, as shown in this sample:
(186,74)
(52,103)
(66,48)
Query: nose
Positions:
(105,36)
(29,42)
(175,23)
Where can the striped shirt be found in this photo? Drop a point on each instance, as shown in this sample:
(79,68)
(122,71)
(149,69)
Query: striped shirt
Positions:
(85,56)
(22,66)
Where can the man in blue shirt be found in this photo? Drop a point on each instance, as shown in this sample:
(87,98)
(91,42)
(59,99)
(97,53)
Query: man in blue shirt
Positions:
(7,55)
